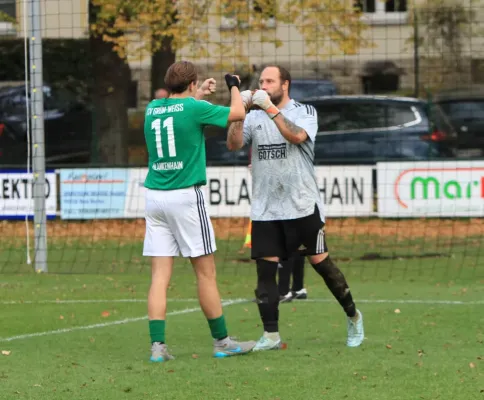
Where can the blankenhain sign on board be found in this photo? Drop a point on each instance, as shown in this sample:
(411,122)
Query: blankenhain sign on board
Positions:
(345,190)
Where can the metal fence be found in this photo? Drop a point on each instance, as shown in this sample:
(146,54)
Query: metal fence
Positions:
(75,77)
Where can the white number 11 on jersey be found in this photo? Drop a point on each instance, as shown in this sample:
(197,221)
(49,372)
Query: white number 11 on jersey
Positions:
(168,124)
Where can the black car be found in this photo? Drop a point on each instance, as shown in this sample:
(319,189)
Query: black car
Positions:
(307,88)
(463,108)
(366,129)
(67,127)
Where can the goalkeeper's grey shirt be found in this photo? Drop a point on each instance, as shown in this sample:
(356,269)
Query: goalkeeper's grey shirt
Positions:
(284,184)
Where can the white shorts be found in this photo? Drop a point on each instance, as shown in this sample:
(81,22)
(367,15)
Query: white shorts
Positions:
(177,222)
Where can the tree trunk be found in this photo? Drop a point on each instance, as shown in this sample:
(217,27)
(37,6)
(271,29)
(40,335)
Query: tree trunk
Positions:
(111,78)
(160,62)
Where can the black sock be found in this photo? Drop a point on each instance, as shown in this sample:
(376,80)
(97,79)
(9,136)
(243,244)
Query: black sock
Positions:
(267,294)
(284,276)
(298,273)
(336,283)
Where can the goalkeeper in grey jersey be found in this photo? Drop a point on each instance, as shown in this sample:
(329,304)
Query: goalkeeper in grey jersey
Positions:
(287,213)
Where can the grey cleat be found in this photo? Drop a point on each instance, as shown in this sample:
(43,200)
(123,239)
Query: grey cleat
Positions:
(228,347)
(159,353)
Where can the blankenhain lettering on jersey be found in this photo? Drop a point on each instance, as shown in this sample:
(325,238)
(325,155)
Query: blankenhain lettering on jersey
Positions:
(168,166)
(272,151)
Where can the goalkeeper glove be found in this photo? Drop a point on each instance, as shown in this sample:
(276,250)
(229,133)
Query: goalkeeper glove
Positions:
(246,99)
(263,100)
(232,80)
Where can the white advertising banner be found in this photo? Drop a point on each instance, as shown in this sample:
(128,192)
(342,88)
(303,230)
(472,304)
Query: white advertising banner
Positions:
(16,194)
(345,190)
(431,189)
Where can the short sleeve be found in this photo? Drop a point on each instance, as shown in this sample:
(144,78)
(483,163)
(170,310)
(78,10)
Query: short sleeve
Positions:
(211,114)
(308,120)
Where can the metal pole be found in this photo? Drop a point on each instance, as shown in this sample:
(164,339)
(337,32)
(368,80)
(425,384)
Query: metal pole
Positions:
(38,143)
(416,43)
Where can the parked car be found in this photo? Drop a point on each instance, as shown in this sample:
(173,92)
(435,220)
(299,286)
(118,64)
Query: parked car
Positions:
(307,88)
(67,127)
(463,108)
(366,129)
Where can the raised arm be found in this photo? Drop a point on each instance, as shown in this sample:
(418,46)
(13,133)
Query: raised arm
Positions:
(291,132)
(235,136)
(237,109)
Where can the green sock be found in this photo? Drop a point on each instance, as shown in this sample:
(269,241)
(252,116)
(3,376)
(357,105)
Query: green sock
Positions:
(218,327)
(157,330)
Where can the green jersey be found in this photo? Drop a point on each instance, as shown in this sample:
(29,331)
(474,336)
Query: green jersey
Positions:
(175,141)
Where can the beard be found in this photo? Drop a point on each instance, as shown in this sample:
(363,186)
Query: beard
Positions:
(276,97)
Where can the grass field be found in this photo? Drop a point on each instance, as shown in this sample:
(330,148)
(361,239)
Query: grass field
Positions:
(80,332)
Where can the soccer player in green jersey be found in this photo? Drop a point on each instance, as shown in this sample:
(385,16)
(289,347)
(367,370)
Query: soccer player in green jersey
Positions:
(176,214)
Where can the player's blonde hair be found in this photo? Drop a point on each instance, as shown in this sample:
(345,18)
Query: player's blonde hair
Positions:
(180,75)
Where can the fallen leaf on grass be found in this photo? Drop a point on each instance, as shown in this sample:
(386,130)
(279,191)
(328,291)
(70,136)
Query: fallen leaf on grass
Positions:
(6,352)
(397,311)
(472,365)
(364,377)
(170,370)
(194,355)
(105,314)
(420,353)
(388,346)
(266,368)
(61,317)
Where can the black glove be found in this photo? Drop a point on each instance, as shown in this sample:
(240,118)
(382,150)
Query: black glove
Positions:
(232,81)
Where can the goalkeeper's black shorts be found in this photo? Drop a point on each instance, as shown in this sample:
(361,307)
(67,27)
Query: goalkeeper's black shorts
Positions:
(286,238)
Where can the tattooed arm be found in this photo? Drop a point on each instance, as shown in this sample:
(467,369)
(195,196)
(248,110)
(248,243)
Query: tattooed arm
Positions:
(291,132)
(235,136)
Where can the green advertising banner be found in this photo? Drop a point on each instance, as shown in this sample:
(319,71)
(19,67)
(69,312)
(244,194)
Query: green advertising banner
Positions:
(431,189)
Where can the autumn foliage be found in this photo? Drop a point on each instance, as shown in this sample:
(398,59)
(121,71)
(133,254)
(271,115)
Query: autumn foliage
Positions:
(327,27)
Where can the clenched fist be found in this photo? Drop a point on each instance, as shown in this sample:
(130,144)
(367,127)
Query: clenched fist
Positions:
(261,99)
(246,99)
(209,86)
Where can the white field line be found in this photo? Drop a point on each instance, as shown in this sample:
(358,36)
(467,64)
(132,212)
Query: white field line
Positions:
(310,300)
(106,324)
(87,301)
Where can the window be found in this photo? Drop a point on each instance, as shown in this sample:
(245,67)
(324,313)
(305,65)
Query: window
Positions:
(364,115)
(386,12)
(350,116)
(8,7)
(401,114)
(465,109)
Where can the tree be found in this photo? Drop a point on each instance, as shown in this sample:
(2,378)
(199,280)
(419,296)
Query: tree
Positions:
(328,27)
(111,77)
(443,29)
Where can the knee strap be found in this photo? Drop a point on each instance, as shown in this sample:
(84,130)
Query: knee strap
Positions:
(267,290)
(333,277)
